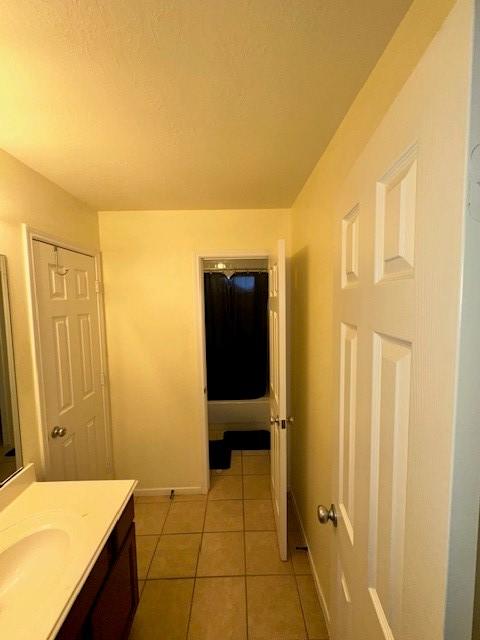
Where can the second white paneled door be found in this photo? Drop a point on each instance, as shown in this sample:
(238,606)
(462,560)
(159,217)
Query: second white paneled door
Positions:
(71,363)
(399,215)
(277,310)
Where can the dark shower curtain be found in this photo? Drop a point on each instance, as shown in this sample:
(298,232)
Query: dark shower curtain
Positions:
(236,324)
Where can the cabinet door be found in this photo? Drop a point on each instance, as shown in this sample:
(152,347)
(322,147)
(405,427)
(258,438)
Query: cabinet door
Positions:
(112,615)
(75,626)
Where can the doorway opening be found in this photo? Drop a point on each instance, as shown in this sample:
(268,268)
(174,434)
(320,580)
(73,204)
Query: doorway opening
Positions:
(236,337)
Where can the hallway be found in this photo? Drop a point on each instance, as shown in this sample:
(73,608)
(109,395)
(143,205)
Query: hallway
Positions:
(209,569)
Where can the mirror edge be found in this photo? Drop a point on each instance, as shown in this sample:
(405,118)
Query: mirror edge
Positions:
(11,360)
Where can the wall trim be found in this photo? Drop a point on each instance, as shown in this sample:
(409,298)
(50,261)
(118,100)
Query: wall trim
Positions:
(316,579)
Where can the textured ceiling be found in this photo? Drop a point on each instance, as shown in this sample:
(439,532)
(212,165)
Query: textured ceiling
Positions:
(183,104)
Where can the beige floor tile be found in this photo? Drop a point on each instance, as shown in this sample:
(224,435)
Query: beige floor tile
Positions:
(262,555)
(274,611)
(141,584)
(259,515)
(256,487)
(256,465)
(224,515)
(185,517)
(145,550)
(163,611)
(176,556)
(256,452)
(190,497)
(225,487)
(148,499)
(150,517)
(312,611)
(234,470)
(218,610)
(222,554)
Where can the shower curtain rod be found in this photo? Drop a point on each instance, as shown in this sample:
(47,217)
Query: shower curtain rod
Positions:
(236,270)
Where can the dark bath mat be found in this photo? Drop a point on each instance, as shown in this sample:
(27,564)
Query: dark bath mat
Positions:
(258,439)
(219,454)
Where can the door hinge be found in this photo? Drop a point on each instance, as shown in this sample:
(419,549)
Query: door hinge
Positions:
(99,288)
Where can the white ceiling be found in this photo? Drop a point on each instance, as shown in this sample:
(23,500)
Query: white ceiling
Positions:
(183,104)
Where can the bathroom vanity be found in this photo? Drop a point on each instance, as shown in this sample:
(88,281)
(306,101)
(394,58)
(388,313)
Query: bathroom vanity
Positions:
(68,565)
(104,608)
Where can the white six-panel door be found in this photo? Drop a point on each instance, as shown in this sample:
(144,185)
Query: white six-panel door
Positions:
(278,391)
(398,224)
(69,336)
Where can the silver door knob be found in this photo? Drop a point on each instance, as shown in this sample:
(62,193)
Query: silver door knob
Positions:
(324,514)
(274,420)
(58,432)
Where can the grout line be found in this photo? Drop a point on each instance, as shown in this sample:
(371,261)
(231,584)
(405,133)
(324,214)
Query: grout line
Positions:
(245,560)
(166,516)
(226,575)
(174,533)
(196,569)
(301,606)
(194,533)
(150,563)
(156,546)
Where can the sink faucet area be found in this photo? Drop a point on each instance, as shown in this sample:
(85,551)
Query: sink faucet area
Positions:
(50,536)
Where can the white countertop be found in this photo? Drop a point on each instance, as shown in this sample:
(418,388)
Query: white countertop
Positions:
(76,519)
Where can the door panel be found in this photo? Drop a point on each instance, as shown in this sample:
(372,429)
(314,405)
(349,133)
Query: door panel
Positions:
(388,468)
(347,426)
(63,359)
(71,364)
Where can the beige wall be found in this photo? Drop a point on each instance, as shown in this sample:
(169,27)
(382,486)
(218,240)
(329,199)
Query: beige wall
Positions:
(27,197)
(314,388)
(151,289)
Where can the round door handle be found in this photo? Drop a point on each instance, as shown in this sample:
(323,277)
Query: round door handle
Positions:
(324,515)
(274,420)
(58,432)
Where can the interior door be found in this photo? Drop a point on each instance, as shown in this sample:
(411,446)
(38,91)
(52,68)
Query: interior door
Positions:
(69,333)
(396,295)
(277,310)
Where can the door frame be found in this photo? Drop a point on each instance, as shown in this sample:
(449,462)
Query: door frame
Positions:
(462,611)
(202,347)
(29,235)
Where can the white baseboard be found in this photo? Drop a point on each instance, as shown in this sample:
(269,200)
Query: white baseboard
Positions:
(166,491)
(316,579)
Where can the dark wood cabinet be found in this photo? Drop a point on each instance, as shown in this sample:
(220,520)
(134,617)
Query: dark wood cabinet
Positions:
(106,605)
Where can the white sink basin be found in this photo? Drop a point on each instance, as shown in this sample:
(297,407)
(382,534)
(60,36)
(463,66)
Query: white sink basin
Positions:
(33,561)
(35,555)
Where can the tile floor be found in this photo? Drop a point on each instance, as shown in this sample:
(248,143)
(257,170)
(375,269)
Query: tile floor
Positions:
(209,567)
